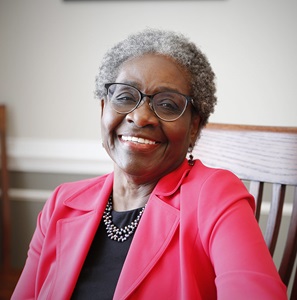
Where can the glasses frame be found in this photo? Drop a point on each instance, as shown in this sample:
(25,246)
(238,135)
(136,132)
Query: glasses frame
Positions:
(151,99)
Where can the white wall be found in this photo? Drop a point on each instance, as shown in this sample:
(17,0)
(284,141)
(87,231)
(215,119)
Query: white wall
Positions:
(50,51)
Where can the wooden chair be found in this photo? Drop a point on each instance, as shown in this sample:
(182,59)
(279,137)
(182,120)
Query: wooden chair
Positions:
(8,276)
(5,208)
(261,156)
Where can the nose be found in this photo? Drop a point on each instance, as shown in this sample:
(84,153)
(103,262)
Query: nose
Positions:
(143,115)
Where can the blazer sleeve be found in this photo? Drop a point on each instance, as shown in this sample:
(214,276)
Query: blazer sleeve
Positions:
(28,283)
(234,243)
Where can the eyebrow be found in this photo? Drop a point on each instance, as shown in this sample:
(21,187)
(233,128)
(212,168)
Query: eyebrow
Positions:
(160,88)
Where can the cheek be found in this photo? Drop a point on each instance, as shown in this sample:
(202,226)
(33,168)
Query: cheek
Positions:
(109,121)
(179,134)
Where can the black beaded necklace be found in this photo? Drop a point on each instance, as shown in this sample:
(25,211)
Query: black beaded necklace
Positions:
(115,233)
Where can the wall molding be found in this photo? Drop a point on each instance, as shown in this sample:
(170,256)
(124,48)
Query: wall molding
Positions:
(29,195)
(57,156)
(40,196)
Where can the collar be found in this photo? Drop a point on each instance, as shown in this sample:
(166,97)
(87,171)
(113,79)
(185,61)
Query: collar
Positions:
(171,182)
(101,187)
(85,195)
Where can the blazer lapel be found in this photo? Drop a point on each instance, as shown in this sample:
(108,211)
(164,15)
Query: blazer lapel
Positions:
(158,215)
(156,229)
(75,236)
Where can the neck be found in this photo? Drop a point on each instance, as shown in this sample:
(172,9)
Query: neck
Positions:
(128,194)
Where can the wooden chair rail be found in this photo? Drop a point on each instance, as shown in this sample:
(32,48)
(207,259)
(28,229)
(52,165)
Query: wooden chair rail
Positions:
(251,152)
(256,189)
(290,251)
(275,216)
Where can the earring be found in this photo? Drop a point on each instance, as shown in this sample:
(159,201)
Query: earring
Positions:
(191,157)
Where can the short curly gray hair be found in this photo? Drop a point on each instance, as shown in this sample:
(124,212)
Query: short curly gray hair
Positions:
(170,44)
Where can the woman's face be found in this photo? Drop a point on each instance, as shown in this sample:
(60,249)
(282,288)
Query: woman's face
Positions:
(159,146)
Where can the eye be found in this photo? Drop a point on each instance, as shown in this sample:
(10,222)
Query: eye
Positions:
(122,97)
(168,103)
(125,97)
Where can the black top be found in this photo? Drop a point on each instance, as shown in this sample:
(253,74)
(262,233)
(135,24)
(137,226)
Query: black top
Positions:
(101,270)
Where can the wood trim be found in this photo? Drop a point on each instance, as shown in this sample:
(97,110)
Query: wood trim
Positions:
(222,126)
(250,153)
(5,204)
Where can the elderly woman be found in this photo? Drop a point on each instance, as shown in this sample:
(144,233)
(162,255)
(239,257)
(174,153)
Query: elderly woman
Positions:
(161,226)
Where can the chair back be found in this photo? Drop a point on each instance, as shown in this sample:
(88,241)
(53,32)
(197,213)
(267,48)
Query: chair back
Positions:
(4,200)
(265,158)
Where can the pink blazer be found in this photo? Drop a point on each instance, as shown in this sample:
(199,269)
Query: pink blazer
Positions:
(197,239)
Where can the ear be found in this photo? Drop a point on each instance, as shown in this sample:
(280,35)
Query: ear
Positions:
(195,129)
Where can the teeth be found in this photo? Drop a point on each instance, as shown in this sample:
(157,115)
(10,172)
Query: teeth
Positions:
(138,140)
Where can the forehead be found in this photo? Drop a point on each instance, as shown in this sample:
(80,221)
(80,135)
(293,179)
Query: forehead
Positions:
(151,70)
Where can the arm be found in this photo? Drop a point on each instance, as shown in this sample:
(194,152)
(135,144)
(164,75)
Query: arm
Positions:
(27,285)
(234,242)
(25,288)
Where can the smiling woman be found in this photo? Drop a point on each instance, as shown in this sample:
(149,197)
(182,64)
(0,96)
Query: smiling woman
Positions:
(169,140)
(161,225)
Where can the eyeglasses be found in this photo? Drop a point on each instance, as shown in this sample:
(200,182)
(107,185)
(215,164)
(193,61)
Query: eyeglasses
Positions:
(168,106)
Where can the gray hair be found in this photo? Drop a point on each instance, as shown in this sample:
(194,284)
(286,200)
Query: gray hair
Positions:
(169,44)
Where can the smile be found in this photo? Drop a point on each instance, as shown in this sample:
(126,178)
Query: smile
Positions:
(138,140)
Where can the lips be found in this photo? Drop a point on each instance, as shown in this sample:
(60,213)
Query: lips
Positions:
(138,140)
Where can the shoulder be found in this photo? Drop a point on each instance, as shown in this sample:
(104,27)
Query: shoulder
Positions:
(207,176)
(217,188)
(78,195)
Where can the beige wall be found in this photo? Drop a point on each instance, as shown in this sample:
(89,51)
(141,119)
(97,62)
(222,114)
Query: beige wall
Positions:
(50,51)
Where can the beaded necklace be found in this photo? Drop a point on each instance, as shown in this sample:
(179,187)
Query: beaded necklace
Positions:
(115,233)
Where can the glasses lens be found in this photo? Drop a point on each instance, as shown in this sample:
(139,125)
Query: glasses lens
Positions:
(169,106)
(123,98)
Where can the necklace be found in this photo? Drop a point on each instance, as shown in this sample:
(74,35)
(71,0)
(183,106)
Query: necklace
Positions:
(115,233)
